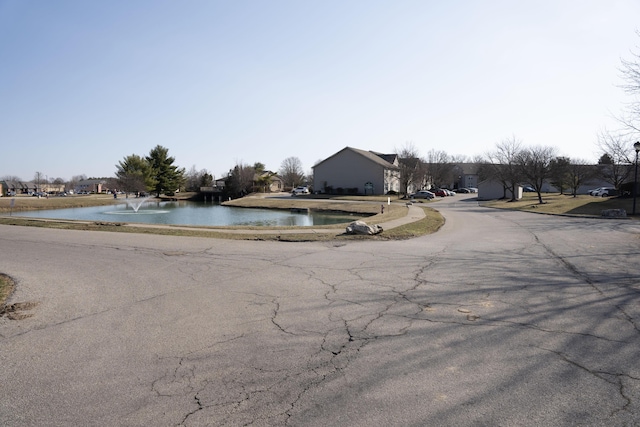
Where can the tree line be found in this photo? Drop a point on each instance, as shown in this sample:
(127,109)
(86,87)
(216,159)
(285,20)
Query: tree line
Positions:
(157,173)
(153,173)
(510,162)
(513,163)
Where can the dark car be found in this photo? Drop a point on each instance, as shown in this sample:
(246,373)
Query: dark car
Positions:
(422,194)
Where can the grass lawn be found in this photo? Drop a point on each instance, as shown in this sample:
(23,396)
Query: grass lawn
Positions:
(554,203)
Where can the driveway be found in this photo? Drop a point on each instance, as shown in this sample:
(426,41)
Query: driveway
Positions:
(500,318)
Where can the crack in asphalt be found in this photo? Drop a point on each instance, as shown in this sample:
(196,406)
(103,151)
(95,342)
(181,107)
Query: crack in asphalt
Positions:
(346,336)
(602,375)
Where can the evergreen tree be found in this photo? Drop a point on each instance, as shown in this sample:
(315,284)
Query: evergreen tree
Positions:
(168,177)
(134,174)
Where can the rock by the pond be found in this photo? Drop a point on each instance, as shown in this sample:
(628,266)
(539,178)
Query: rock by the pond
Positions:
(361,227)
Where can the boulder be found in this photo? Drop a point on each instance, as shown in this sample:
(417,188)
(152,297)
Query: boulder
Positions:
(361,227)
(614,213)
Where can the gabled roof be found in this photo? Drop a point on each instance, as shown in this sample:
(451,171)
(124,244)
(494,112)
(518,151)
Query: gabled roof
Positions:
(391,158)
(19,184)
(377,158)
(468,168)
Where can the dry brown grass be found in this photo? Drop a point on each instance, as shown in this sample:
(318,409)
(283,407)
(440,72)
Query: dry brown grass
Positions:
(559,204)
(363,206)
(6,288)
(27,203)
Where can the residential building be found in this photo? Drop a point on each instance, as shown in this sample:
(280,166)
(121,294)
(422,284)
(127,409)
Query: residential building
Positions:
(355,171)
(91,186)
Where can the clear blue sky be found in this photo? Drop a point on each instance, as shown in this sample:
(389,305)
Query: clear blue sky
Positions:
(85,83)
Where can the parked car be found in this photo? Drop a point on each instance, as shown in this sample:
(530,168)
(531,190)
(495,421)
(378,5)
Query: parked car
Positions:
(595,191)
(463,190)
(528,189)
(606,192)
(450,193)
(440,192)
(422,194)
(300,190)
(473,189)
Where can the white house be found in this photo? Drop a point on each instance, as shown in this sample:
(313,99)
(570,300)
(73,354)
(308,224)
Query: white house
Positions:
(490,189)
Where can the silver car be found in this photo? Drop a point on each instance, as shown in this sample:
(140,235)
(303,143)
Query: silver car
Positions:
(422,194)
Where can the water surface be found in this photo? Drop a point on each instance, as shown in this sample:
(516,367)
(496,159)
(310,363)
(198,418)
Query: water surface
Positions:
(192,213)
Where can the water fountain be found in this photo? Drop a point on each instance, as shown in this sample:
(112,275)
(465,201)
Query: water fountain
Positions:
(135,205)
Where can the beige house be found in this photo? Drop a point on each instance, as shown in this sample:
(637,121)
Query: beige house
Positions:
(91,186)
(19,187)
(268,182)
(355,171)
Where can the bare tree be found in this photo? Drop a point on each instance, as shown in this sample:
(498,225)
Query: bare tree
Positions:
(504,165)
(309,178)
(579,172)
(291,172)
(630,72)
(438,168)
(194,179)
(535,165)
(460,159)
(39,179)
(410,165)
(240,179)
(559,173)
(191,179)
(617,156)
(73,182)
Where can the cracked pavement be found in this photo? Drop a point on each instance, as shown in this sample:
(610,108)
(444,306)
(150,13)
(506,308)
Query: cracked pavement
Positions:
(500,318)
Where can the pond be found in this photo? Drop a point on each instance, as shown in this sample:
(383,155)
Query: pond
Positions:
(192,213)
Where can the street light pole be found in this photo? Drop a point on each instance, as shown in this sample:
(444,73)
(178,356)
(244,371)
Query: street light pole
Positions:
(636,146)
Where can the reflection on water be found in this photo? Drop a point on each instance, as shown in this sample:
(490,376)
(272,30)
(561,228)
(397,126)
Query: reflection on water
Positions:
(192,213)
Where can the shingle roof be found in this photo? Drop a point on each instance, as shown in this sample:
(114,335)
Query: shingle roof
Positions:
(378,158)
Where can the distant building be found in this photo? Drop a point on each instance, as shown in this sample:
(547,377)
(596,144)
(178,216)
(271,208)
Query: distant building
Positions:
(91,186)
(11,188)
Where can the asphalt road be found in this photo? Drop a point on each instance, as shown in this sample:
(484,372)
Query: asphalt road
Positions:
(499,319)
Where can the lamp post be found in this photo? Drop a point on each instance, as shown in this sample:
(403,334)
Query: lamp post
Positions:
(636,146)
